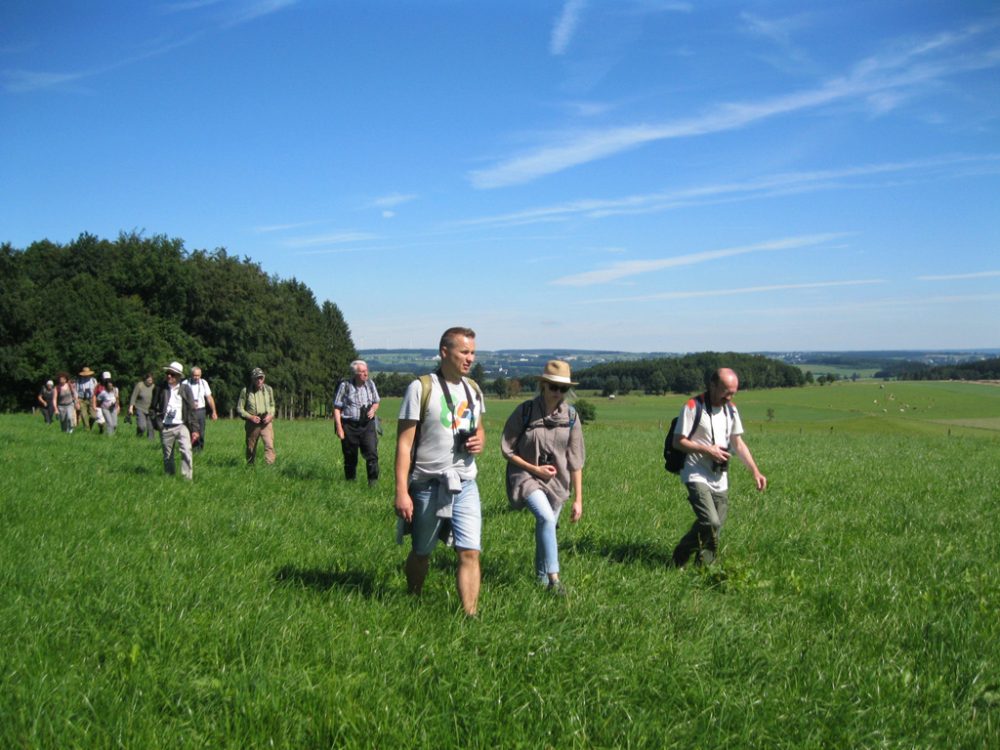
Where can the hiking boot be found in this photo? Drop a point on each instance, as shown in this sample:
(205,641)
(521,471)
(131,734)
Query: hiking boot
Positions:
(556,588)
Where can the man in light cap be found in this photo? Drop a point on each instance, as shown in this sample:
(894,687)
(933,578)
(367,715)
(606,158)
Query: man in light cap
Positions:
(172,413)
(256,407)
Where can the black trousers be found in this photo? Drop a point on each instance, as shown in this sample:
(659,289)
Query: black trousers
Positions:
(360,436)
(199,419)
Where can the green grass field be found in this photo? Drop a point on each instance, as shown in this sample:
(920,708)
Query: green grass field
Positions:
(855,603)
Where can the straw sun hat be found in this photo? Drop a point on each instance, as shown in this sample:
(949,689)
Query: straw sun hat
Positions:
(557,371)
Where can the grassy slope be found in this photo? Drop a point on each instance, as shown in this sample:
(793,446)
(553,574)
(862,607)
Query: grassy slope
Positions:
(855,604)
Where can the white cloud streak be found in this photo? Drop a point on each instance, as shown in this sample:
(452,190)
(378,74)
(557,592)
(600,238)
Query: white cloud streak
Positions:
(879,77)
(339,238)
(250,11)
(961,276)
(740,290)
(565,27)
(625,269)
(23,81)
(392,200)
(785,183)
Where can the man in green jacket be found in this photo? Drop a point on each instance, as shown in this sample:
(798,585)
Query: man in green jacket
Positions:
(256,407)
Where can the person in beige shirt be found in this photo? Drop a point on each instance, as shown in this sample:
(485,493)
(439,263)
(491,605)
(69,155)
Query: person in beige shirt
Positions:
(256,407)
(543,445)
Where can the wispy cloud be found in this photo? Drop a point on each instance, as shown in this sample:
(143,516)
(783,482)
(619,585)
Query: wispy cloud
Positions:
(18,81)
(739,290)
(898,71)
(625,269)
(392,200)
(776,30)
(285,227)
(961,276)
(565,26)
(338,238)
(245,12)
(766,186)
(22,81)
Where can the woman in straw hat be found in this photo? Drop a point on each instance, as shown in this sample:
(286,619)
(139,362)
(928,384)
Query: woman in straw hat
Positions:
(543,445)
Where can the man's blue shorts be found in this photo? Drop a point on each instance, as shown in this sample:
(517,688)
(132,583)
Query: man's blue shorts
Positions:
(466,517)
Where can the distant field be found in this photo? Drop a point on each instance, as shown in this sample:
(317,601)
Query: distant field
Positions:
(925,407)
(854,605)
(841,371)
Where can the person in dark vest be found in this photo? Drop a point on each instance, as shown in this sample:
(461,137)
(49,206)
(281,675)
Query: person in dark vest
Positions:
(173,411)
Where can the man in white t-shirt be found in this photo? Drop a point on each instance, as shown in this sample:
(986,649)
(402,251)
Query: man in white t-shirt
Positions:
(203,402)
(709,444)
(440,434)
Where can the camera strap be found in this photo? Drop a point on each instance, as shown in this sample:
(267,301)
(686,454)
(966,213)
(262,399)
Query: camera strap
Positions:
(451,404)
(726,414)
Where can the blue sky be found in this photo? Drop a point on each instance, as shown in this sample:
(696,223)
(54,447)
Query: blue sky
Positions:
(644,175)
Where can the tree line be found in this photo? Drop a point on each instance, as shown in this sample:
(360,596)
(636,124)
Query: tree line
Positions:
(985,369)
(688,373)
(134,304)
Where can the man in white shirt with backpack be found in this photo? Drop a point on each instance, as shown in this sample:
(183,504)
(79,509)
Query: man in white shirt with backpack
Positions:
(710,432)
(440,433)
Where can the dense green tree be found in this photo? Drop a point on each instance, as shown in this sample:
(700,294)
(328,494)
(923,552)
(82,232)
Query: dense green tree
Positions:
(690,373)
(611,385)
(501,387)
(657,383)
(133,304)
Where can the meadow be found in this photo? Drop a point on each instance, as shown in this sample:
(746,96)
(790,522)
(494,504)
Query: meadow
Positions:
(855,603)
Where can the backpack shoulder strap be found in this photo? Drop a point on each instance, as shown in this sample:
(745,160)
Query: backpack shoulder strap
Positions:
(699,407)
(425,395)
(525,415)
(572,416)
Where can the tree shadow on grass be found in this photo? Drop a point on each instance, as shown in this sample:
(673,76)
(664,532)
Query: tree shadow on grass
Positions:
(647,554)
(319,579)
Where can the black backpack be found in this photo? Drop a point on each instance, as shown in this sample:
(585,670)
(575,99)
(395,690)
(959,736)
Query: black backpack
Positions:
(673,458)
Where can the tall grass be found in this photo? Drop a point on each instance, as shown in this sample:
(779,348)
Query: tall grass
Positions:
(855,603)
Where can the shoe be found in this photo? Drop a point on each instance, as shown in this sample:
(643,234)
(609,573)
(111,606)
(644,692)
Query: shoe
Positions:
(556,588)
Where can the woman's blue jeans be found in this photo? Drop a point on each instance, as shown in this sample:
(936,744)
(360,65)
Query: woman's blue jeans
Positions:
(546,549)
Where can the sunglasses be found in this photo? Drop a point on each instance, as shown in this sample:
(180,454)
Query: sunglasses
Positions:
(557,388)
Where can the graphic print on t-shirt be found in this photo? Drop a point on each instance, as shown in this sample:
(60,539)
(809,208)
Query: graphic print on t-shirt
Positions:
(464,419)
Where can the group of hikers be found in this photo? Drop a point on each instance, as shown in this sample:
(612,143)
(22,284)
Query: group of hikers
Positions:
(178,408)
(440,432)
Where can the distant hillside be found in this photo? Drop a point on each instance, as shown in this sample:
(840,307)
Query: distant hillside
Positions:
(510,363)
(517,363)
